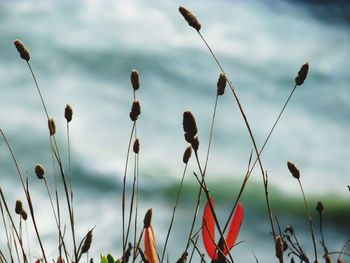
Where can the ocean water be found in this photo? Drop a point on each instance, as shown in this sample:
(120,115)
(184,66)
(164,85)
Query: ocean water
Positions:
(82,53)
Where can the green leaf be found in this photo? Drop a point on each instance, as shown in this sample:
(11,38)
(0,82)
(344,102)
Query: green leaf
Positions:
(104,259)
(110,258)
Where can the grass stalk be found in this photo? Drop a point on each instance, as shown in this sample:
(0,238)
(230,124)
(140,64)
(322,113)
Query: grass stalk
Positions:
(174,210)
(309,219)
(6,230)
(248,128)
(13,225)
(124,184)
(26,191)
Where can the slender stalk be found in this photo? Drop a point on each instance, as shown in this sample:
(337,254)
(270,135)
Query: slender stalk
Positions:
(248,127)
(26,191)
(211,134)
(196,248)
(132,199)
(342,250)
(124,184)
(204,186)
(247,176)
(136,206)
(174,210)
(203,173)
(7,233)
(309,219)
(57,155)
(13,225)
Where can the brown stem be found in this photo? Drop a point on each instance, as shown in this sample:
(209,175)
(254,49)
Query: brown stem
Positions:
(309,219)
(249,130)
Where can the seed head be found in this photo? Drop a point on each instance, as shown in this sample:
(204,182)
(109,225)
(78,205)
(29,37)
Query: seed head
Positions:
(221,85)
(135,81)
(18,207)
(279,247)
(319,207)
(68,113)
(293,170)
(87,243)
(190,18)
(187,154)
(135,110)
(195,143)
(302,74)
(39,171)
(22,49)
(183,258)
(136,146)
(24,215)
(189,124)
(52,126)
(148,218)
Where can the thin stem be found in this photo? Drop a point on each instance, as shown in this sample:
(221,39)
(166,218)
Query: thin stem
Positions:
(203,173)
(7,233)
(204,186)
(132,200)
(26,193)
(195,247)
(309,218)
(342,250)
(245,180)
(211,133)
(124,184)
(248,127)
(174,210)
(13,224)
(136,206)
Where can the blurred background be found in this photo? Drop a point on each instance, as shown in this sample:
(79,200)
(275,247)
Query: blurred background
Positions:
(82,53)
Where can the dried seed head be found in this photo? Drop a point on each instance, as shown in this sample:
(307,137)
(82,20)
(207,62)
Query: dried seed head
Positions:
(39,171)
(279,247)
(221,84)
(127,253)
(187,154)
(328,259)
(68,113)
(22,49)
(319,207)
(195,143)
(190,18)
(135,81)
(183,258)
(24,215)
(136,146)
(18,207)
(87,243)
(148,218)
(189,124)
(290,230)
(135,110)
(302,74)
(293,170)
(52,126)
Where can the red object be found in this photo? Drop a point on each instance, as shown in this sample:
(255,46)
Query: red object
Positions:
(208,230)
(150,245)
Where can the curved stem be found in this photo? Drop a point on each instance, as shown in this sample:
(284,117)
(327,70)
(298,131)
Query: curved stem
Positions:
(249,131)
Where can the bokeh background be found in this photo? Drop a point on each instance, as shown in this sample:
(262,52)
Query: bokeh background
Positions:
(82,54)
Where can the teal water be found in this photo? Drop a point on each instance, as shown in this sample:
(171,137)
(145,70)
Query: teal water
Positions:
(82,53)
